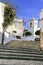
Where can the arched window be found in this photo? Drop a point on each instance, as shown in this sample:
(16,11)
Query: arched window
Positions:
(30,24)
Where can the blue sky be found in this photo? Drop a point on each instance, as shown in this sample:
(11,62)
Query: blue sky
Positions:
(27,9)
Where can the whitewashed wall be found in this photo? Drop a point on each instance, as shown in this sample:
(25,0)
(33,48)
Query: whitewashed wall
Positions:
(30,38)
(33,28)
(1,13)
(18,26)
(7,37)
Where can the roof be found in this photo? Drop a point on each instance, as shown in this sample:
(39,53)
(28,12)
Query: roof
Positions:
(18,20)
(32,19)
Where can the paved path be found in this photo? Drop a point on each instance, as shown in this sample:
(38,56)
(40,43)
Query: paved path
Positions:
(20,56)
(20,62)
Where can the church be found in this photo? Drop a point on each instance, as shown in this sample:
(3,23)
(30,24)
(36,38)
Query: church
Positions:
(33,27)
(17,29)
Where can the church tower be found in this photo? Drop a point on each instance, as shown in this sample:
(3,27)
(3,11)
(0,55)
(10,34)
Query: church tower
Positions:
(32,26)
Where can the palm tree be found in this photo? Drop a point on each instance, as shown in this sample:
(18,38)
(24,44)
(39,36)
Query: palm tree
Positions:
(9,14)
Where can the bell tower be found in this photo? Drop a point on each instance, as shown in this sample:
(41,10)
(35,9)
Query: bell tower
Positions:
(32,26)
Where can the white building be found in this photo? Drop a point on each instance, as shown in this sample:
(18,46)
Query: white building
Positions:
(32,26)
(13,30)
(17,28)
(2,12)
(1,15)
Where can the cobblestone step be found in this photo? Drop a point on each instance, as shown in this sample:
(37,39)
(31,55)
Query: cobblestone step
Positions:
(21,53)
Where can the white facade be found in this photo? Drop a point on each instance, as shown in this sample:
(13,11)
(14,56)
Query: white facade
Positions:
(1,12)
(17,28)
(32,26)
(1,15)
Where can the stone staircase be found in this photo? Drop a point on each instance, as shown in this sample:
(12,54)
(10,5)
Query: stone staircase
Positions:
(20,53)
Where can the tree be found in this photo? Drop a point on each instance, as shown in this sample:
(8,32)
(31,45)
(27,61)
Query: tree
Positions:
(9,14)
(37,32)
(27,33)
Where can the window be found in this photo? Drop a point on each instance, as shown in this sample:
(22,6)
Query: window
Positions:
(18,37)
(14,31)
(30,24)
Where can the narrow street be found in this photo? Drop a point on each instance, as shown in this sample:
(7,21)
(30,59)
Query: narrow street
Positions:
(20,62)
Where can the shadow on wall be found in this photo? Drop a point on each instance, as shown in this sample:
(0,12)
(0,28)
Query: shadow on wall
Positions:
(7,37)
